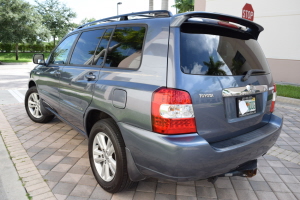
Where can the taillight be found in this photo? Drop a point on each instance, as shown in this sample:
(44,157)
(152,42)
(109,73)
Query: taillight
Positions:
(273,99)
(172,112)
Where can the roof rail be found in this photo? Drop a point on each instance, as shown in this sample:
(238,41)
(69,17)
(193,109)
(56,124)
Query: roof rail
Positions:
(253,28)
(144,14)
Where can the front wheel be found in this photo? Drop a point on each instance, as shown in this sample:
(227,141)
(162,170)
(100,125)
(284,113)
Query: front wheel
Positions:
(107,156)
(33,108)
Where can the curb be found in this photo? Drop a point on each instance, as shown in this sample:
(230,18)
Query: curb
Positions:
(288,100)
(33,181)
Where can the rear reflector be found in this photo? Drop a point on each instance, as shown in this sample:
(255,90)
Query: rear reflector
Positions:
(172,112)
(273,99)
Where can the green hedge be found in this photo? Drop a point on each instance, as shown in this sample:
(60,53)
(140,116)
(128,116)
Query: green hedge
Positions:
(7,48)
(23,57)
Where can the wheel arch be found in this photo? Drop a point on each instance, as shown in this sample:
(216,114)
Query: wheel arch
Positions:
(95,115)
(31,83)
(92,116)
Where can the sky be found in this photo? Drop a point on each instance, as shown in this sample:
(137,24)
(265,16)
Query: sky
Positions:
(99,9)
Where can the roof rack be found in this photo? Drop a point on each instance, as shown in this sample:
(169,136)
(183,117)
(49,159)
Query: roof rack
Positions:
(136,15)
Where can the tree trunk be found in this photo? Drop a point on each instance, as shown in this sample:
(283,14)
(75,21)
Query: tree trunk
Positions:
(17,53)
(164,4)
(54,40)
(150,4)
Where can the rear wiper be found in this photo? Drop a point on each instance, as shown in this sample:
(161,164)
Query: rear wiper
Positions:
(252,71)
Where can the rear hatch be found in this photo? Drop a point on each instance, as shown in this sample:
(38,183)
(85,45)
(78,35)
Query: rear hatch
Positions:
(226,73)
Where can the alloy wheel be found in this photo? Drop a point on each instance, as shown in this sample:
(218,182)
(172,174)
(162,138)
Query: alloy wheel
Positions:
(104,156)
(34,105)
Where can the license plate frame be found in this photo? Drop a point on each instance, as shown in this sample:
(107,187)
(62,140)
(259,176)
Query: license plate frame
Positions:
(250,102)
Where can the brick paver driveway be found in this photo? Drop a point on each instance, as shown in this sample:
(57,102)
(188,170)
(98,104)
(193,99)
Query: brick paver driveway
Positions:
(60,155)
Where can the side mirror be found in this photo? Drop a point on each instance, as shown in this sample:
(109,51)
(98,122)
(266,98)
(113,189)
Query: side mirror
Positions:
(38,59)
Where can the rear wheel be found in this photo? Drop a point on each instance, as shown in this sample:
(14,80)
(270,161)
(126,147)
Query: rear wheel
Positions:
(107,156)
(33,108)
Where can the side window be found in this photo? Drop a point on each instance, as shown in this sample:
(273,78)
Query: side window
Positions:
(125,48)
(85,48)
(100,52)
(60,55)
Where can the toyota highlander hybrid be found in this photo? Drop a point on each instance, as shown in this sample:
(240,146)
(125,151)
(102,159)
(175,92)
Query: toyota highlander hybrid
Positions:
(178,97)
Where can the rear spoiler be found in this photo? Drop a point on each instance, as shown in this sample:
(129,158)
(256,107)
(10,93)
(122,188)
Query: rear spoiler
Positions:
(252,28)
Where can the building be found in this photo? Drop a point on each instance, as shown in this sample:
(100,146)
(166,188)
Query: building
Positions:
(281,38)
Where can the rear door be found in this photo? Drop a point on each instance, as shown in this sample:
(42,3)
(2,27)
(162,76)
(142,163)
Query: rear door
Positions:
(80,75)
(213,63)
(49,75)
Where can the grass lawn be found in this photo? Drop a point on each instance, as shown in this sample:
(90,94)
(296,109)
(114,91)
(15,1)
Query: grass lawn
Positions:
(288,91)
(23,57)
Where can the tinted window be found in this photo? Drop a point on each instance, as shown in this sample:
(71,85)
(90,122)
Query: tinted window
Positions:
(85,47)
(125,48)
(100,52)
(219,55)
(60,55)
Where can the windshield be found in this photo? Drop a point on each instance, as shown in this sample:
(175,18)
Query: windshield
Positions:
(215,55)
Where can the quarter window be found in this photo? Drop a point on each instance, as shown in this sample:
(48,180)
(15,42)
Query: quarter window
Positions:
(85,48)
(60,54)
(125,48)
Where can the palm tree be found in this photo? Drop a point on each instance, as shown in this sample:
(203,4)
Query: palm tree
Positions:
(214,67)
(150,4)
(164,4)
(184,5)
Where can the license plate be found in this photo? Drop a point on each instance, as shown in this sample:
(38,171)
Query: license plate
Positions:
(246,106)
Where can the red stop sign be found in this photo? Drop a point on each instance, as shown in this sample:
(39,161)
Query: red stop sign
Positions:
(248,12)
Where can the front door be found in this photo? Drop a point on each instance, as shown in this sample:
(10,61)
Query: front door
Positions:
(49,75)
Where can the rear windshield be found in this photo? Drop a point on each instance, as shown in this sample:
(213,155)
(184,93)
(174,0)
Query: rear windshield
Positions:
(216,55)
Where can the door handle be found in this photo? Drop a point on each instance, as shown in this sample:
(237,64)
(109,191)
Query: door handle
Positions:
(90,76)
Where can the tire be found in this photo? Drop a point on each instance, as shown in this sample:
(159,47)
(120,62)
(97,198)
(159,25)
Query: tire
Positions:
(32,106)
(110,167)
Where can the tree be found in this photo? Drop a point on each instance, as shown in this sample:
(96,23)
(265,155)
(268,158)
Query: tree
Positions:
(184,5)
(86,20)
(82,22)
(20,23)
(56,17)
(214,67)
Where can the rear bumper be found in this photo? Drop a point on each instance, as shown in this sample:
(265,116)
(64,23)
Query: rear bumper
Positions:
(190,157)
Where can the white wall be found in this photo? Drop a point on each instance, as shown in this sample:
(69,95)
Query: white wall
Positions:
(281,20)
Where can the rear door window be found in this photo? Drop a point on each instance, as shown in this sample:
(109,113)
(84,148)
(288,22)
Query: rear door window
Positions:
(208,54)
(101,49)
(125,47)
(85,48)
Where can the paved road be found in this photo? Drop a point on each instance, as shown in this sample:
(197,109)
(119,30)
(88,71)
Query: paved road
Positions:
(13,83)
(59,155)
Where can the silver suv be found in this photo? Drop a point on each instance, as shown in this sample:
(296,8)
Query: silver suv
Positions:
(183,97)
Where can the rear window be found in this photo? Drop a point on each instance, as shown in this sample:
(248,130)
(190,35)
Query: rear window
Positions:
(208,54)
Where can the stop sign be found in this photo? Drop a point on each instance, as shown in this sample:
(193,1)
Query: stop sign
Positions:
(248,12)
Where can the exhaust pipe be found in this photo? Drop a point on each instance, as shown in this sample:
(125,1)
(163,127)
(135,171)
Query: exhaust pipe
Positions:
(248,169)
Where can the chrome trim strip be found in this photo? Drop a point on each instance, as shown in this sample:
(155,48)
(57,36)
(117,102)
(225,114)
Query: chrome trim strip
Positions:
(246,90)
